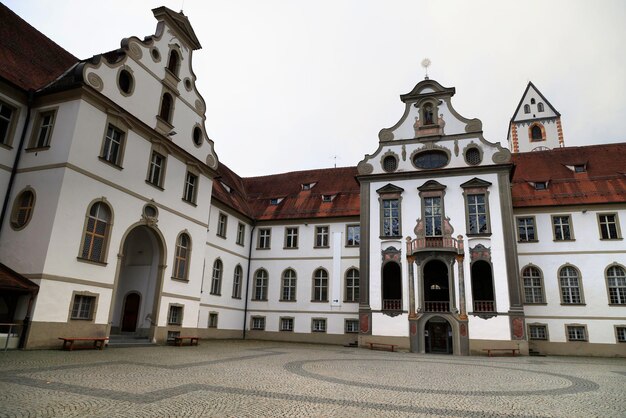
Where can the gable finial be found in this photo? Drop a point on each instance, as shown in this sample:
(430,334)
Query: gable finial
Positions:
(426,64)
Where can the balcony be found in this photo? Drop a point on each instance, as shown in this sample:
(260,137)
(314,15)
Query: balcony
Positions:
(437,306)
(392,304)
(484,306)
(435,244)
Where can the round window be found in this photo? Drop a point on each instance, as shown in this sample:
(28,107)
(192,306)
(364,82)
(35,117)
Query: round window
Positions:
(150,211)
(197,136)
(390,164)
(188,84)
(156,56)
(125,81)
(430,159)
(472,156)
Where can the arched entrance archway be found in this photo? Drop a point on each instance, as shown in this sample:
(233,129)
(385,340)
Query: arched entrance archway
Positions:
(436,287)
(138,284)
(438,336)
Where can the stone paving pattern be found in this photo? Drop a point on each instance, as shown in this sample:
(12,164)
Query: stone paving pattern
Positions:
(257,378)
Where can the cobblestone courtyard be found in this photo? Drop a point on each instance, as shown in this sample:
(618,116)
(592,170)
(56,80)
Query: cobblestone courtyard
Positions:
(254,378)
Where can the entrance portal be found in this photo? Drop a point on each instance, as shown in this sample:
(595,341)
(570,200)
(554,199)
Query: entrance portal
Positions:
(131,312)
(438,336)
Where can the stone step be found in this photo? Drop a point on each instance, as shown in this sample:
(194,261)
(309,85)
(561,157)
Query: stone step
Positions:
(129,341)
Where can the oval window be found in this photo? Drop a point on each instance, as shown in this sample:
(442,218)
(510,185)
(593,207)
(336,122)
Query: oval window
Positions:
(390,164)
(197,136)
(472,156)
(430,159)
(125,81)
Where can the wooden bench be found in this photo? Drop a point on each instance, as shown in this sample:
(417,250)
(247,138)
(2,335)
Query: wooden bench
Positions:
(383,346)
(178,341)
(513,351)
(68,343)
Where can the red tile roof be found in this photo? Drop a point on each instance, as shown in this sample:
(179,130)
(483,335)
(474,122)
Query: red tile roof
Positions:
(604,180)
(29,59)
(13,281)
(253,196)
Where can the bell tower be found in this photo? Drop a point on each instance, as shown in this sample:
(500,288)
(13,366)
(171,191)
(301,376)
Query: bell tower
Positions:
(535,125)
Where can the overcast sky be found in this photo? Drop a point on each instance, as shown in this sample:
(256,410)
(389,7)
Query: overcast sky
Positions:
(291,84)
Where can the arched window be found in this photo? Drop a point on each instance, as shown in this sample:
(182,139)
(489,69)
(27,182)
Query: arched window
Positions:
(535,133)
(166,108)
(533,285)
(23,209)
(352,285)
(482,287)
(237,282)
(260,285)
(532,101)
(320,286)
(173,64)
(539,107)
(616,283)
(526,108)
(392,287)
(288,288)
(216,278)
(96,236)
(181,257)
(569,282)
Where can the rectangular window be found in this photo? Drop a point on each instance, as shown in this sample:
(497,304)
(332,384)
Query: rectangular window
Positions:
(318,325)
(241,233)
(264,238)
(189,192)
(562,228)
(321,236)
(44,130)
(538,332)
(353,235)
(113,145)
(608,226)
(576,333)
(286,324)
(83,307)
(621,334)
(352,326)
(212,319)
(258,323)
(175,315)
(155,171)
(526,229)
(6,123)
(391,218)
(291,237)
(433,216)
(477,214)
(222,221)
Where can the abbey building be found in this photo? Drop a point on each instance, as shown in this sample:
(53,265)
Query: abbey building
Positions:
(119,220)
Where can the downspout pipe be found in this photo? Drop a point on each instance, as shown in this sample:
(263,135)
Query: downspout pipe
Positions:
(5,204)
(245,306)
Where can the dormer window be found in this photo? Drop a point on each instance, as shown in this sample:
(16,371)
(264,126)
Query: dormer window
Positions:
(328,197)
(532,101)
(276,200)
(580,168)
(173,64)
(308,186)
(226,187)
(539,107)
(541,185)
(526,108)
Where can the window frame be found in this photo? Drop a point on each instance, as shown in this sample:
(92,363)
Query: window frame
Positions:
(260,285)
(286,319)
(526,227)
(561,237)
(581,297)
(190,188)
(241,234)
(237,284)
(264,237)
(568,337)
(620,289)
(105,149)
(541,287)
(213,319)
(606,224)
(322,236)
(222,224)
(10,122)
(19,207)
(346,321)
(315,328)
(354,289)
(182,259)
(291,238)
(353,227)
(536,326)
(93,297)
(216,277)
(253,322)
(319,292)
(151,170)
(289,284)
(175,319)
(105,236)
(39,126)
(620,329)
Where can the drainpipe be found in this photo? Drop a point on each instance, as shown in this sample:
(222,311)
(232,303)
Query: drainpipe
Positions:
(245,306)
(5,205)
